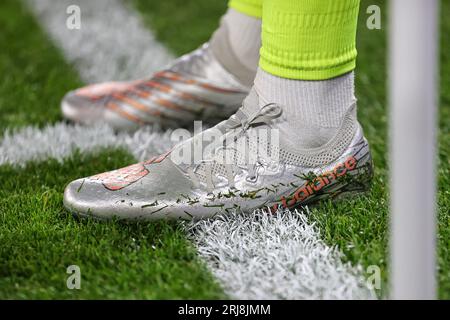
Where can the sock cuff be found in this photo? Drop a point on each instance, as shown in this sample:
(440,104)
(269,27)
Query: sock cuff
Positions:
(309,39)
(244,37)
(236,45)
(320,104)
(249,7)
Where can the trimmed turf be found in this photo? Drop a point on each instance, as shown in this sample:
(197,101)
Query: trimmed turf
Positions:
(34,74)
(38,238)
(128,261)
(358,227)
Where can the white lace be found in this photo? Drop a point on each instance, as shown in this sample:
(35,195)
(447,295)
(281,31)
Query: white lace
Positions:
(240,123)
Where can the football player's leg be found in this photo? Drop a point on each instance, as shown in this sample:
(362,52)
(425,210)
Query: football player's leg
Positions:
(294,141)
(207,84)
(308,56)
(237,41)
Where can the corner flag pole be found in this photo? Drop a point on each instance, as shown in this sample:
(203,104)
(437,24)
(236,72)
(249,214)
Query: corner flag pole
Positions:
(413,83)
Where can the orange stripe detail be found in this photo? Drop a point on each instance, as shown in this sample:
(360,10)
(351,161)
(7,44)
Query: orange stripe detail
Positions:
(142,94)
(177,77)
(168,104)
(163,102)
(136,104)
(140,106)
(159,86)
(114,107)
(167,89)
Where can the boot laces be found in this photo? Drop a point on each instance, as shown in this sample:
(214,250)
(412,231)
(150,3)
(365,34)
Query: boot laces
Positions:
(239,124)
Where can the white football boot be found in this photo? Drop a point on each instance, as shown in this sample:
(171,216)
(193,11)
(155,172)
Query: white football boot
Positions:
(194,87)
(247,166)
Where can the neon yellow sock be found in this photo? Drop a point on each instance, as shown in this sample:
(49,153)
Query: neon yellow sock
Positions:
(308,39)
(249,7)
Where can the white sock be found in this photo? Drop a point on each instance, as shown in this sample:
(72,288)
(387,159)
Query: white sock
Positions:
(313,111)
(236,45)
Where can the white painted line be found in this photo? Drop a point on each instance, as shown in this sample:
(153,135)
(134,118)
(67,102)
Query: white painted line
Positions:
(112,43)
(265,256)
(255,256)
(62,140)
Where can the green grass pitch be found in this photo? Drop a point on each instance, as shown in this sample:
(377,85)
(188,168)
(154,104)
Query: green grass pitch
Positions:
(39,239)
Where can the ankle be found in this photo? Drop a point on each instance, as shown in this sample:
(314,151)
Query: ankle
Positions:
(236,44)
(313,111)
